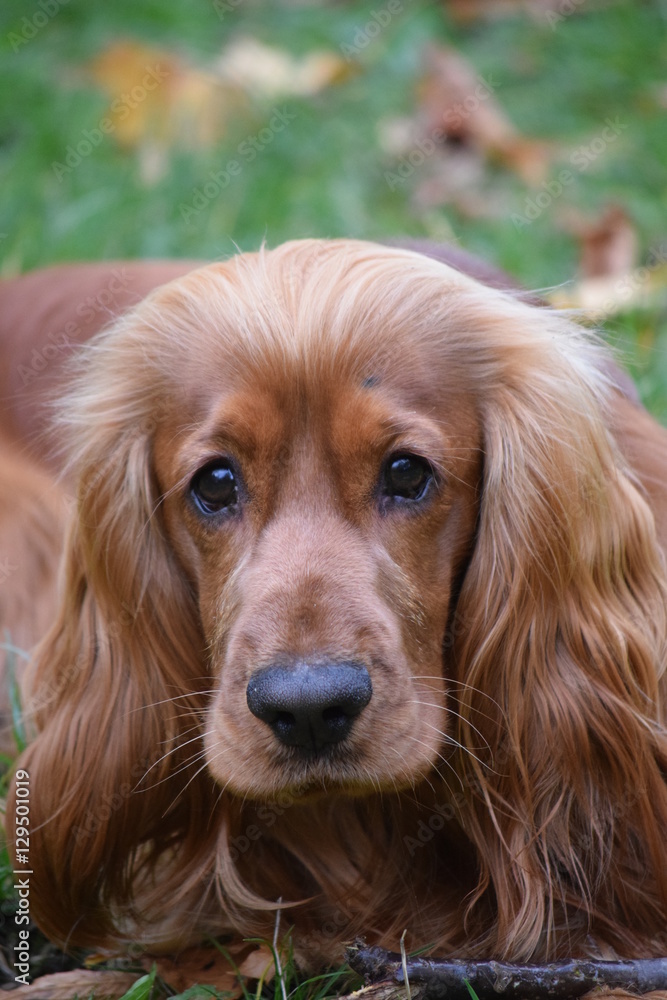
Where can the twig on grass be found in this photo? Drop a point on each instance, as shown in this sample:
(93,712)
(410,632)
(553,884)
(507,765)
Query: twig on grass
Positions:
(438,978)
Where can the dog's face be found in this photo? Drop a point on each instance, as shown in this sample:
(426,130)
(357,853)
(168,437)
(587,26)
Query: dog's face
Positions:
(348,523)
(321,495)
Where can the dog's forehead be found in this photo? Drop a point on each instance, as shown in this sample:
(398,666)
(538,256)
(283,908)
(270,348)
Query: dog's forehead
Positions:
(292,358)
(317,388)
(348,339)
(321,311)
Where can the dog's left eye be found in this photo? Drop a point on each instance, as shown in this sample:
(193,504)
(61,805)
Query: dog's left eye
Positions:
(407,477)
(215,488)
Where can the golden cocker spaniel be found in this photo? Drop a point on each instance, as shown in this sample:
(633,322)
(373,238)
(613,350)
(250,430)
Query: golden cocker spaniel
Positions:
(362,613)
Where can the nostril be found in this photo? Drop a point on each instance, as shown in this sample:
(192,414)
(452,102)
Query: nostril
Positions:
(334,715)
(284,725)
(310,705)
(337,722)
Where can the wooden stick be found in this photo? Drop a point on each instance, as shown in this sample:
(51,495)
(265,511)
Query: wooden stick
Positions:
(441,979)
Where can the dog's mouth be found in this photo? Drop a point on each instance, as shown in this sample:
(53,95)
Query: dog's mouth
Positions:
(306,774)
(315,771)
(343,769)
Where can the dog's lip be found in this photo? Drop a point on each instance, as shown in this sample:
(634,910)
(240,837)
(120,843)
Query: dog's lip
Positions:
(322,776)
(317,789)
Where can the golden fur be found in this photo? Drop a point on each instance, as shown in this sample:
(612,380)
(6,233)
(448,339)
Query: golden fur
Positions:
(503,793)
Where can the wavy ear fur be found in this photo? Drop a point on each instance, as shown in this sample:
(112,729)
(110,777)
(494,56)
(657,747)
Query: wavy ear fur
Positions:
(561,638)
(126,640)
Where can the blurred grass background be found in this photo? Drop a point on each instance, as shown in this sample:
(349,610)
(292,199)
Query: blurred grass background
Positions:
(324,175)
(560,70)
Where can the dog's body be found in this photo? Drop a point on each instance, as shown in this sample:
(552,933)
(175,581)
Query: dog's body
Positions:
(363,608)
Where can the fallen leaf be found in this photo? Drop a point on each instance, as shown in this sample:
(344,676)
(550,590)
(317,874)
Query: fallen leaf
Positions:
(102,985)
(158,101)
(259,964)
(264,71)
(469,11)
(608,244)
(459,105)
(458,179)
(210,967)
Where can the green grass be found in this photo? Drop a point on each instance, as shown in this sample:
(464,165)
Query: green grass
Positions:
(324,175)
(286,983)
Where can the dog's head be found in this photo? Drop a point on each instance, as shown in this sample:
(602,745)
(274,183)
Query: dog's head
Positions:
(319,461)
(346,519)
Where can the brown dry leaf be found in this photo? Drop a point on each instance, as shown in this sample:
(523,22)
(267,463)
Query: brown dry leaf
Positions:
(156,101)
(265,71)
(608,244)
(259,964)
(102,985)
(469,11)
(457,103)
(210,967)
(459,180)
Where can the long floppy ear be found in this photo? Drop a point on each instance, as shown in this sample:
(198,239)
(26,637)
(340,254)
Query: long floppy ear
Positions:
(560,639)
(127,638)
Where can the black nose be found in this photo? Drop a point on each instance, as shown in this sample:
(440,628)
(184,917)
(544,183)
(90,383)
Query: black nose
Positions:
(310,705)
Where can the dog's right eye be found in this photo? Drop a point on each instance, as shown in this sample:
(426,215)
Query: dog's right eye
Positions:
(406,477)
(215,488)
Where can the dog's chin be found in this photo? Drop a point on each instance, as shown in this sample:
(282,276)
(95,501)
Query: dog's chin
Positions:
(330,772)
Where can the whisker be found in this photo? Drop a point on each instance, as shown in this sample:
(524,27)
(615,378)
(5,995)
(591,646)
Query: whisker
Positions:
(457,715)
(174,749)
(442,758)
(220,753)
(454,742)
(176,697)
(462,684)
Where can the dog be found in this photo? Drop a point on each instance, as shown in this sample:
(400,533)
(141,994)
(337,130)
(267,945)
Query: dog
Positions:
(361,614)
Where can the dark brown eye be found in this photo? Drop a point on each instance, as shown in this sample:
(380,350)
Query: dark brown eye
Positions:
(406,477)
(215,487)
